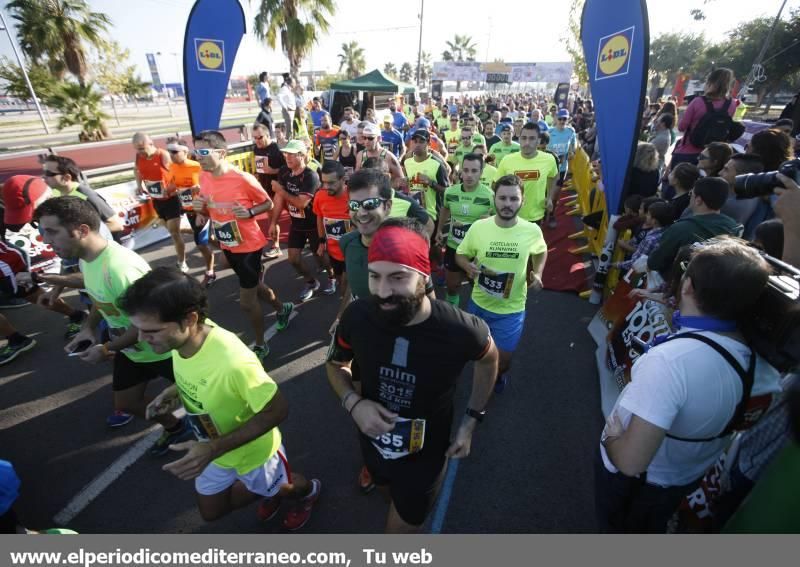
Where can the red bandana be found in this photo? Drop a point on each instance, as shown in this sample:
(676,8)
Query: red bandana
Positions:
(400,246)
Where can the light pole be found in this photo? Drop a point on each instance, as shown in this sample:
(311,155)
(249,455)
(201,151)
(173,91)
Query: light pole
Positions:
(24,72)
(419,51)
(166,88)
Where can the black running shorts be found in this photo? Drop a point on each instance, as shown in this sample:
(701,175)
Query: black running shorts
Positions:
(128,373)
(168,209)
(247,267)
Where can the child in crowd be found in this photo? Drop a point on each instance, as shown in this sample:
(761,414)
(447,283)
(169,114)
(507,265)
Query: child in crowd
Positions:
(657,217)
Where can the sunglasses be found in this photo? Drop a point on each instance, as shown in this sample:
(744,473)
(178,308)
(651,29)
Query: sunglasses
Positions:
(258,137)
(50,174)
(562,119)
(369,138)
(702,156)
(205,151)
(368,204)
(174,151)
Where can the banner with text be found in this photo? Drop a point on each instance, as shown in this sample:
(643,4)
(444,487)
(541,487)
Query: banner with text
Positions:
(498,72)
(214,31)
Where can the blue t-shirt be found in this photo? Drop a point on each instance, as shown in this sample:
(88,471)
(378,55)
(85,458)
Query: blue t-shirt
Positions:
(316,118)
(543,127)
(560,143)
(392,141)
(400,120)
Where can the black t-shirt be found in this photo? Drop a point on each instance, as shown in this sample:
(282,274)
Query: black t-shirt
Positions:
(306,183)
(272,156)
(492,141)
(679,205)
(412,370)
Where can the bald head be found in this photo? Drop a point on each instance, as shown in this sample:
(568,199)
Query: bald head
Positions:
(143,144)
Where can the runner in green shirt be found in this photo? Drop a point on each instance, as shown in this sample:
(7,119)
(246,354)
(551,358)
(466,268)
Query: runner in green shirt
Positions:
(504,255)
(71,226)
(232,404)
(463,204)
(489,170)
(505,146)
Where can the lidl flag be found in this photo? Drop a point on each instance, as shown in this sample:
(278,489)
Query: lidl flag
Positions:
(213,33)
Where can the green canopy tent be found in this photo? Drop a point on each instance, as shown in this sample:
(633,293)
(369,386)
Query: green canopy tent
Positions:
(376,87)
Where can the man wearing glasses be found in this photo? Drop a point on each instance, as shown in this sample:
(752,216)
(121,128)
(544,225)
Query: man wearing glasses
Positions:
(268,160)
(373,148)
(563,143)
(232,199)
(505,146)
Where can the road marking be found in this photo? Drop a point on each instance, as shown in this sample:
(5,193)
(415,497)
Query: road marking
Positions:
(443,503)
(273,330)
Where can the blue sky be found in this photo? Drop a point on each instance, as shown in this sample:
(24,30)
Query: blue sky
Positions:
(388,30)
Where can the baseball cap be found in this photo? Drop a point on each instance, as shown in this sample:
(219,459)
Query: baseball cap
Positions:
(422,134)
(563,113)
(505,127)
(423,123)
(387,118)
(372,129)
(9,486)
(20,193)
(295,147)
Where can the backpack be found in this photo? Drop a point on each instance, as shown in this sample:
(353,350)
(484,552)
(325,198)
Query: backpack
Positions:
(714,125)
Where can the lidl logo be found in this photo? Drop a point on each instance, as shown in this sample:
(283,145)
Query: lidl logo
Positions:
(210,54)
(614,54)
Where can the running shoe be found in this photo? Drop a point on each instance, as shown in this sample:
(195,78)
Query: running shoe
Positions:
(7,302)
(330,287)
(161,446)
(118,419)
(308,290)
(283,316)
(262,351)
(72,330)
(299,515)
(10,352)
(365,480)
(183,266)
(209,279)
(268,508)
(272,253)
(500,385)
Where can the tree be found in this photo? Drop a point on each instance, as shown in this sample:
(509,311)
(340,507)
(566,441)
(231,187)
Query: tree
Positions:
(136,88)
(54,31)
(298,24)
(390,70)
(460,49)
(15,85)
(111,71)
(426,69)
(572,42)
(81,105)
(672,53)
(351,59)
(406,72)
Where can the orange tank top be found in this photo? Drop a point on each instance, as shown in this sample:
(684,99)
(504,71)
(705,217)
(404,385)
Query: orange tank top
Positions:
(152,168)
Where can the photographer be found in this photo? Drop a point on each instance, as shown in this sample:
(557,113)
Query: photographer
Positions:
(673,420)
(787,208)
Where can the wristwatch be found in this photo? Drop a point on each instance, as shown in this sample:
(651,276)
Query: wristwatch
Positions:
(251,213)
(477,415)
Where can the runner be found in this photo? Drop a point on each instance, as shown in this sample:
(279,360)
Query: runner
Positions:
(268,161)
(349,123)
(536,170)
(405,409)
(464,148)
(489,171)
(400,122)
(71,226)
(488,133)
(452,139)
(504,255)
(464,204)
(346,154)
(232,199)
(563,143)
(234,407)
(295,189)
(372,148)
(391,139)
(506,145)
(317,112)
(326,140)
(152,175)
(16,342)
(333,218)
(184,180)
(427,177)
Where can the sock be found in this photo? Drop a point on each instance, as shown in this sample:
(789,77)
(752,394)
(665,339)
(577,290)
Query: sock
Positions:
(77,316)
(15,339)
(454,299)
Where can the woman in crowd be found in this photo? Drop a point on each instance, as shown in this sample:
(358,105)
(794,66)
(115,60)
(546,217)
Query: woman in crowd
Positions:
(644,175)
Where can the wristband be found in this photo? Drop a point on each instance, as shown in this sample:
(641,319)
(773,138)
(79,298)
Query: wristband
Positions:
(251,213)
(322,238)
(476,415)
(354,406)
(346,397)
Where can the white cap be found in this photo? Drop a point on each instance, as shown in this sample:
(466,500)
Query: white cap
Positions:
(372,129)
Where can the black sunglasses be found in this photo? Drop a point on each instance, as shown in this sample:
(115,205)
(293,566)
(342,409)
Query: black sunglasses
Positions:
(50,173)
(369,204)
(369,138)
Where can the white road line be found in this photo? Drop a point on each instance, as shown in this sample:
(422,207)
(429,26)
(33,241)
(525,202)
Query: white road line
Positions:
(273,330)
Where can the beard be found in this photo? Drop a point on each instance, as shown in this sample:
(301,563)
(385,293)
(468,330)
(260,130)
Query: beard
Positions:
(406,308)
(504,214)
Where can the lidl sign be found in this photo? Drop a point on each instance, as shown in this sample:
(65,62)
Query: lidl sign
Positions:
(210,54)
(614,54)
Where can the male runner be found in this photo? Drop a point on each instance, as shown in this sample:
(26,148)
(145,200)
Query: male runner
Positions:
(488,133)
(326,140)
(504,255)
(331,208)
(295,188)
(563,143)
(233,406)
(392,139)
(152,174)
(465,147)
(268,161)
(405,409)
(452,139)
(373,148)
(184,181)
(399,120)
(232,199)
(463,204)
(536,169)
(489,170)
(71,226)
(427,177)
(505,146)
(317,112)
(349,124)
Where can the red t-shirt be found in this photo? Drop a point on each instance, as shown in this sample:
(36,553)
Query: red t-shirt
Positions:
(335,215)
(221,193)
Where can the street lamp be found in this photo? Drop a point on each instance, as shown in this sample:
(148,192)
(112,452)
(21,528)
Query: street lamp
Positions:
(24,72)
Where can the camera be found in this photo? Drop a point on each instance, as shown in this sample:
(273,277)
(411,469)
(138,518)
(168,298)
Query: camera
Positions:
(752,185)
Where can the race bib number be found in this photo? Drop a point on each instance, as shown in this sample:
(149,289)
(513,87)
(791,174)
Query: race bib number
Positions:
(186,198)
(261,164)
(228,233)
(458,231)
(497,285)
(328,151)
(155,189)
(336,228)
(296,213)
(203,426)
(407,438)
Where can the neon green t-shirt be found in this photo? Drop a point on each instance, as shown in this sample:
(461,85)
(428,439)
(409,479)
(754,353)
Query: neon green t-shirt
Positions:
(500,150)
(452,139)
(465,208)
(502,254)
(416,188)
(461,151)
(222,387)
(442,122)
(487,175)
(478,139)
(535,174)
(106,278)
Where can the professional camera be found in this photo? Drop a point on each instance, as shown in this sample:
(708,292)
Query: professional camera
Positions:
(752,185)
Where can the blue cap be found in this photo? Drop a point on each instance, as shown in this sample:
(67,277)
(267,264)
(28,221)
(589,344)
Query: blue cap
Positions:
(423,123)
(563,113)
(9,486)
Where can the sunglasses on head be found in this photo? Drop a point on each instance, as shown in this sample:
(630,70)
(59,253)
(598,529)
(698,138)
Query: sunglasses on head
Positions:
(368,204)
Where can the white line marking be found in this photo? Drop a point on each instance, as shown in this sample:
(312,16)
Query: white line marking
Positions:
(273,330)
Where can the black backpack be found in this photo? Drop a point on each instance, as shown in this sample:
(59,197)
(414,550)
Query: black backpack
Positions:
(714,125)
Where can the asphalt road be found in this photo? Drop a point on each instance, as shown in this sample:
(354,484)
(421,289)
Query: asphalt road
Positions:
(530,470)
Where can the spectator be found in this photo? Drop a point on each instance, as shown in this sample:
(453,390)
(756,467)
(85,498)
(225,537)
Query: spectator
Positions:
(718,85)
(708,196)
(785,125)
(638,230)
(262,90)
(644,174)
(661,137)
(787,208)
(768,236)
(288,102)
(713,158)
(742,210)
(773,146)
(265,116)
(657,217)
(630,219)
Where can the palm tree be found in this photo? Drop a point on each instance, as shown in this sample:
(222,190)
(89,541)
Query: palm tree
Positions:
(352,60)
(390,70)
(298,23)
(54,31)
(406,73)
(81,105)
(461,48)
(426,69)
(135,88)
